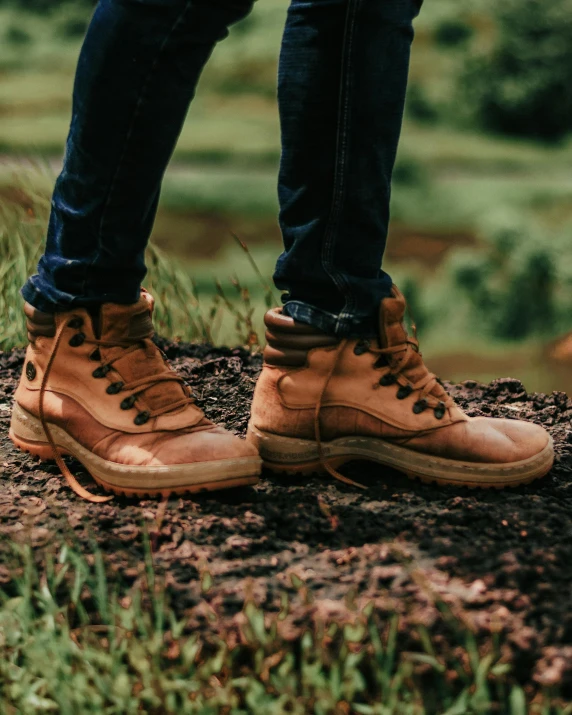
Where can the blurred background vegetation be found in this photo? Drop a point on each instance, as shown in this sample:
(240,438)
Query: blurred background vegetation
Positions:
(482,209)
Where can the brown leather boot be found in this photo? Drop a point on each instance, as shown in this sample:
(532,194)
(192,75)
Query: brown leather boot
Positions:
(100,390)
(321,401)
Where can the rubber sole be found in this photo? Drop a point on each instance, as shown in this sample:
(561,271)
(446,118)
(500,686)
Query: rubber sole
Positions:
(27,433)
(288,455)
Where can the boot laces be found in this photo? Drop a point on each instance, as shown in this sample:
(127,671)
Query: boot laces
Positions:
(324,462)
(135,387)
(138,387)
(399,358)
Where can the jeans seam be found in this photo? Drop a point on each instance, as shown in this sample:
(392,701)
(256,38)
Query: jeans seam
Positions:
(341,157)
(136,113)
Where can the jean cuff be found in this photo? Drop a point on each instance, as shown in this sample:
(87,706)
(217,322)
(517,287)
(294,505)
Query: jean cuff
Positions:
(340,325)
(49,300)
(35,298)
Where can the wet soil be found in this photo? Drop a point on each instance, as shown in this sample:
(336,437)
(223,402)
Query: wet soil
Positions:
(501,561)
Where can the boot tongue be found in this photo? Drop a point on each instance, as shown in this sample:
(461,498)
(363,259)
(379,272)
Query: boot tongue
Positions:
(118,323)
(393,333)
(127,322)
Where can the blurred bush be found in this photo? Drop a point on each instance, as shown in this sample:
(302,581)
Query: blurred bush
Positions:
(517,282)
(17,36)
(73,23)
(419,106)
(520,84)
(452,32)
(409,172)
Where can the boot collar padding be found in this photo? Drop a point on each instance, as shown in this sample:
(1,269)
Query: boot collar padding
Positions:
(288,341)
(39,324)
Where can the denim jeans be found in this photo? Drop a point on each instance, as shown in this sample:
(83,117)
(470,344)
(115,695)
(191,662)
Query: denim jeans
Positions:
(341,90)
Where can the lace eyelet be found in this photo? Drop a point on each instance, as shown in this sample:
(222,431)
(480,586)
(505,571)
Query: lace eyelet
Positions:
(114,388)
(387,380)
(128,403)
(101,371)
(142,418)
(440,410)
(403,392)
(75,323)
(76,340)
(361,347)
(30,370)
(419,406)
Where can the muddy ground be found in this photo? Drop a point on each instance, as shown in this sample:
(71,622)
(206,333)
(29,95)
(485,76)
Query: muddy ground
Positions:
(501,560)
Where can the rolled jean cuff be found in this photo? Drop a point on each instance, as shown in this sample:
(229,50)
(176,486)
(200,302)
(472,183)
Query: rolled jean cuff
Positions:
(341,325)
(37,299)
(38,294)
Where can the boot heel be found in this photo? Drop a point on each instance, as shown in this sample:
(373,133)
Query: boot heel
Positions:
(285,454)
(27,433)
(36,449)
(289,455)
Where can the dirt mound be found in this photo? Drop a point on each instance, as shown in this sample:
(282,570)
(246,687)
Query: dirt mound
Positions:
(502,560)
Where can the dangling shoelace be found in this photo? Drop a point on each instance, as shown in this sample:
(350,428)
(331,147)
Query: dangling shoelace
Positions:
(410,350)
(317,431)
(140,385)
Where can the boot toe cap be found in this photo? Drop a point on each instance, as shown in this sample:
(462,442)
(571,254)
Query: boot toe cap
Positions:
(167,448)
(520,440)
(503,441)
(211,445)
(485,440)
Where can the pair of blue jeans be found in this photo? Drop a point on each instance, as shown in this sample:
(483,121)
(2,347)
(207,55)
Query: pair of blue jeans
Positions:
(341,90)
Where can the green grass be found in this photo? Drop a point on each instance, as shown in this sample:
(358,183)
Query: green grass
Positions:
(225,313)
(71,643)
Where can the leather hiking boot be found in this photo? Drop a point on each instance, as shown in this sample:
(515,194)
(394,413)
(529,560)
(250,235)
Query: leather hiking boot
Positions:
(99,389)
(321,401)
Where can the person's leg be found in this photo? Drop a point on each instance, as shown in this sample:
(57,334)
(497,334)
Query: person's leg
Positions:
(342,380)
(342,82)
(136,76)
(95,385)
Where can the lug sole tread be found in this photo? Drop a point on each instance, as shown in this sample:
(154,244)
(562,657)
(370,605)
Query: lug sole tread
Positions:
(44,452)
(316,469)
